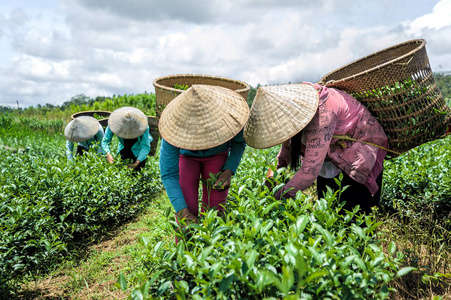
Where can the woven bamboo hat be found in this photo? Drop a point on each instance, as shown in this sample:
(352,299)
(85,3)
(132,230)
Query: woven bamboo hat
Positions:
(128,122)
(279,112)
(81,129)
(203,117)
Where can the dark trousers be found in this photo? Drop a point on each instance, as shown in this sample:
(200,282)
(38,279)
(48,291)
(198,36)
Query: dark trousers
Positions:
(355,194)
(128,154)
(81,150)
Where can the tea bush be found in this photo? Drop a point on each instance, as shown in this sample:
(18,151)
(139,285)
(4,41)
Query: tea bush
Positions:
(419,181)
(50,206)
(263,248)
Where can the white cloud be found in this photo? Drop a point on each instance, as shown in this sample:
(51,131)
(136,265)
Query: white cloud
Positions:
(60,49)
(439,18)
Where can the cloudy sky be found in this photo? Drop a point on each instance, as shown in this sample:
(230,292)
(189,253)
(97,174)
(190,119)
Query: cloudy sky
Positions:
(52,50)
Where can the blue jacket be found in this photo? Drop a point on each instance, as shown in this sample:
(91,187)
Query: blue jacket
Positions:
(169,165)
(140,149)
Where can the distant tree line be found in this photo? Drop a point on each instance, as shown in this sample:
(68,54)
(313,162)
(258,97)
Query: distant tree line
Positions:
(444,84)
(77,100)
(81,99)
(81,102)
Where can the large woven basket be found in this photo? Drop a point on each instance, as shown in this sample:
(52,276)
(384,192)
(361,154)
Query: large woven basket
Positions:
(154,132)
(100,115)
(397,85)
(165,89)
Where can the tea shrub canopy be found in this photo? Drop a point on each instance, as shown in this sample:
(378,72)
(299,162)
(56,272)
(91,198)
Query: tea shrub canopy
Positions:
(293,248)
(49,206)
(263,248)
(419,181)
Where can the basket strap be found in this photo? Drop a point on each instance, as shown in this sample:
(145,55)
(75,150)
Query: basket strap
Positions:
(348,138)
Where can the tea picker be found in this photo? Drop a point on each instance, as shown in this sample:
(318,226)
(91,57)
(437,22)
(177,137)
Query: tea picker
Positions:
(304,118)
(86,132)
(201,132)
(131,127)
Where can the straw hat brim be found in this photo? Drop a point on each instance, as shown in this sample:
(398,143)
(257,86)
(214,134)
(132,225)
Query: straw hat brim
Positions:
(81,129)
(279,112)
(128,122)
(203,117)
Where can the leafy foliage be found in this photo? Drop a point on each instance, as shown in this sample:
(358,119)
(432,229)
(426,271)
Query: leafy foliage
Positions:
(144,102)
(419,181)
(183,87)
(259,248)
(50,206)
(263,248)
(444,84)
(251,94)
(275,249)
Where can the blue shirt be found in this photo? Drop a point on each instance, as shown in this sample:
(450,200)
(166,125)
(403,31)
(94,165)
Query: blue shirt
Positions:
(169,164)
(87,144)
(140,149)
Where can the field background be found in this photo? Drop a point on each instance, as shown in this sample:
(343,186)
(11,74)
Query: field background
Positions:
(90,230)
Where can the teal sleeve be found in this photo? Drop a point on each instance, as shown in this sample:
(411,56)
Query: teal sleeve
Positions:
(99,137)
(169,170)
(105,143)
(146,139)
(69,150)
(237,147)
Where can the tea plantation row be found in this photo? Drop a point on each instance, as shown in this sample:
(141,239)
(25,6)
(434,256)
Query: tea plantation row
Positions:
(262,248)
(49,207)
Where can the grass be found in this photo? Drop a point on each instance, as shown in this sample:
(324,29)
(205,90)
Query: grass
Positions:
(428,250)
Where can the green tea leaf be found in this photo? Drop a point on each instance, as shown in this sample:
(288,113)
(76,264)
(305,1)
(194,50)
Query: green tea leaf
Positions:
(225,282)
(404,271)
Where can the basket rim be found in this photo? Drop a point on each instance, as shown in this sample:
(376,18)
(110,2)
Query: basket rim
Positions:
(421,44)
(90,111)
(156,83)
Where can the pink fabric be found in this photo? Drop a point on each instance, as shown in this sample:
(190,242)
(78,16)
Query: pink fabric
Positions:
(339,113)
(191,169)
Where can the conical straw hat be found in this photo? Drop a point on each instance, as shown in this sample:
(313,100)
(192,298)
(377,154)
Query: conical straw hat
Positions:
(203,117)
(128,122)
(279,112)
(81,129)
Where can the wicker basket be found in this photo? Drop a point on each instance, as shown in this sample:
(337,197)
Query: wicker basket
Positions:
(165,91)
(397,85)
(92,113)
(153,130)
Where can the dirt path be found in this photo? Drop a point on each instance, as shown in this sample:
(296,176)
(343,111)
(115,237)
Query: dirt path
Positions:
(91,278)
